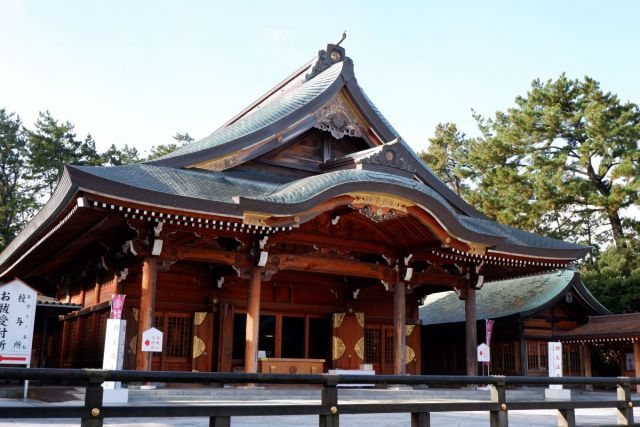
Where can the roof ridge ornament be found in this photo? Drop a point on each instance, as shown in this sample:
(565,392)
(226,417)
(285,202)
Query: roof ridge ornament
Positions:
(333,54)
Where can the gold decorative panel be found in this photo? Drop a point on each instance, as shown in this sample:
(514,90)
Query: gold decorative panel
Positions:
(198,346)
(382,201)
(477,248)
(136,313)
(255,218)
(338,348)
(338,318)
(410,355)
(359,348)
(360,319)
(409,329)
(198,317)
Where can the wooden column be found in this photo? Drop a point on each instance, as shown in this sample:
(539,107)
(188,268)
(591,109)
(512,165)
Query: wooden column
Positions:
(147,308)
(399,335)
(586,362)
(636,360)
(471,331)
(253,321)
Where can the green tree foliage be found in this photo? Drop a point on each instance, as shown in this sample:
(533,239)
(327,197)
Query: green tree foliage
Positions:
(52,145)
(16,201)
(563,162)
(615,277)
(446,156)
(160,150)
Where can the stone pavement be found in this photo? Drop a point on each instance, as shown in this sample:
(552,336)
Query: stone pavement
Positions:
(463,419)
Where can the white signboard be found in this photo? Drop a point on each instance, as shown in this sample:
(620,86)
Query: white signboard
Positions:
(152,340)
(484,353)
(17,316)
(555,362)
(114,348)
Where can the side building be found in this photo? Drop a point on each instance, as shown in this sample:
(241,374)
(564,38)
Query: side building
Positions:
(528,312)
(304,231)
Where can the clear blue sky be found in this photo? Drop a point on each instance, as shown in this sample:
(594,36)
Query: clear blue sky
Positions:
(137,72)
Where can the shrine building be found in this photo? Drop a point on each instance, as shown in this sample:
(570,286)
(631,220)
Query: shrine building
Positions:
(304,230)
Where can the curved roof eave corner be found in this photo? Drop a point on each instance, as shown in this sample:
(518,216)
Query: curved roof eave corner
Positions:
(588,297)
(65,190)
(269,129)
(385,131)
(576,284)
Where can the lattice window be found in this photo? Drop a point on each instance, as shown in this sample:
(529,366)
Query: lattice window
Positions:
(102,331)
(571,360)
(388,345)
(72,339)
(372,345)
(502,357)
(179,336)
(537,358)
(158,323)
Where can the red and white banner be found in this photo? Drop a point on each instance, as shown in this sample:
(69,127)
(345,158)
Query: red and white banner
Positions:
(117,305)
(489,331)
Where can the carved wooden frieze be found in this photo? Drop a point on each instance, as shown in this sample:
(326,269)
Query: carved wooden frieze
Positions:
(338,119)
(391,157)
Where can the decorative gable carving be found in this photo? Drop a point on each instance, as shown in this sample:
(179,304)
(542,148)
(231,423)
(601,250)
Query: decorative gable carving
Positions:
(325,59)
(391,156)
(336,117)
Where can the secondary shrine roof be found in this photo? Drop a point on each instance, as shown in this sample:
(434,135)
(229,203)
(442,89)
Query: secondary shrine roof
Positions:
(515,297)
(604,328)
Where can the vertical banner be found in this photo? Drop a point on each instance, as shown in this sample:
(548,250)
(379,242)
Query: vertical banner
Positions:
(489,331)
(555,362)
(113,356)
(117,306)
(114,348)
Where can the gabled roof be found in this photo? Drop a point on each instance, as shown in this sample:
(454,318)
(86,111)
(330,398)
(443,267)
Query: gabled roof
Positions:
(605,328)
(520,297)
(204,177)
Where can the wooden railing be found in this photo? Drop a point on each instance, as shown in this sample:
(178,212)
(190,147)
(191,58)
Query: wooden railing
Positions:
(328,410)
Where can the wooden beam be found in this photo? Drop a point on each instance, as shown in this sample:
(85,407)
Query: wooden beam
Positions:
(253,321)
(471,331)
(438,279)
(328,265)
(216,256)
(147,307)
(399,336)
(329,241)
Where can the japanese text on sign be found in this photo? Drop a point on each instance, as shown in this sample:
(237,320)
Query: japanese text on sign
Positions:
(152,340)
(17,315)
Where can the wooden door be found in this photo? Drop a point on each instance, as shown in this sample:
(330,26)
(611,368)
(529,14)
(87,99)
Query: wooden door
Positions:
(348,340)
(202,346)
(387,350)
(177,339)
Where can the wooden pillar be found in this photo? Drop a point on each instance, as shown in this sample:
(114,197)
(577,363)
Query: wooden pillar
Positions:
(147,308)
(586,362)
(253,321)
(399,335)
(636,361)
(471,331)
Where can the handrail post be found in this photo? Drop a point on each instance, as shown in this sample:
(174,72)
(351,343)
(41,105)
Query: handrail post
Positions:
(625,408)
(566,417)
(93,403)
(330,401)
(420,419)
(499,418)
(219,421)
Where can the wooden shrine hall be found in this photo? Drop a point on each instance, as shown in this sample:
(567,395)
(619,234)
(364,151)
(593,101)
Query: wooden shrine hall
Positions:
(303,230)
